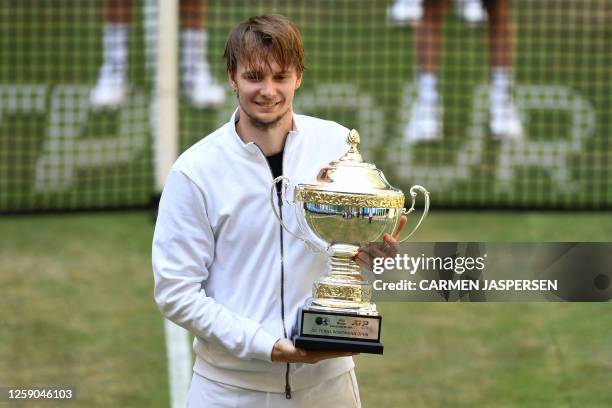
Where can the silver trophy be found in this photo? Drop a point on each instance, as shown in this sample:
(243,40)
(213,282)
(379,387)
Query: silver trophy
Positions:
(350,203)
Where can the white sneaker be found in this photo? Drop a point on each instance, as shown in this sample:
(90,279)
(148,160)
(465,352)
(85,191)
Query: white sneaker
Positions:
(405,11)
(200,88)
(111,89)
(425,123)
(505,121)
(472,11)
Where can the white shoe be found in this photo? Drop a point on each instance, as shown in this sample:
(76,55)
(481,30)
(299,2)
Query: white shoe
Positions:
(505,121)
(111,89)
(405,11)
(472,12)
(425,123)
(200,88)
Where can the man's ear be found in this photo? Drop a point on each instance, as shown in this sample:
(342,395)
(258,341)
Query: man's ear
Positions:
(231,80)
(299,81)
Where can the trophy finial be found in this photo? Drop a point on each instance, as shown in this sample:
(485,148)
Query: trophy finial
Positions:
(353,139)
(352,155)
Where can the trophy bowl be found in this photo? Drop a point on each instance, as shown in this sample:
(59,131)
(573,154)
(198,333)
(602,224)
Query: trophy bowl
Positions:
(349,203)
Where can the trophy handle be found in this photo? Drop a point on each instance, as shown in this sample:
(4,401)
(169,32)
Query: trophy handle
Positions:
(413,194)
(281,195)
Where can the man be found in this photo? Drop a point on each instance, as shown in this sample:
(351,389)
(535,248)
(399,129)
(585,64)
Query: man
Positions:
(223,267)
(199,87)
(425,117)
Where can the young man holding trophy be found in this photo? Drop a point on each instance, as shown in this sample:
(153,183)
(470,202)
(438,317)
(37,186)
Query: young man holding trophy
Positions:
(223,268)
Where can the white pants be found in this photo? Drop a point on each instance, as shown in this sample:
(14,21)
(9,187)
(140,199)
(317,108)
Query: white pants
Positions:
(338,392)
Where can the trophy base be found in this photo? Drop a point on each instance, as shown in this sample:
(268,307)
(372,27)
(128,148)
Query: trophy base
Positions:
(338,330)
(323,344)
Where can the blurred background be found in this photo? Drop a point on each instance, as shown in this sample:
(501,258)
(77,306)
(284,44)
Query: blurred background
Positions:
(501,109)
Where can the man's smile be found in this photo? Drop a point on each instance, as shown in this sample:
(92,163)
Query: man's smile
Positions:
(267,104)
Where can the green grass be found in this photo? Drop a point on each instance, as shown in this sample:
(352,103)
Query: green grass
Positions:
(509,355)
(77,309)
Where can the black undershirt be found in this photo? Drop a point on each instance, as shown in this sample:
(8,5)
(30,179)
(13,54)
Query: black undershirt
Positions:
(276,165)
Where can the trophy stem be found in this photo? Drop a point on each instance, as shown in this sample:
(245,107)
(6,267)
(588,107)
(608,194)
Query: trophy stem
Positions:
(342,263)
(343,287)
(344,268)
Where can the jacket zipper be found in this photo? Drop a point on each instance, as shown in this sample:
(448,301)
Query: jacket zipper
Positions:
(280,210)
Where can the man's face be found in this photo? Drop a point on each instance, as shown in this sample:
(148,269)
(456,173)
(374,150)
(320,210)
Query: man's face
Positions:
(265,95)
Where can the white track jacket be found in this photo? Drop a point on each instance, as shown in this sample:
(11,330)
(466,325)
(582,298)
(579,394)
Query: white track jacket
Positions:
(223,268)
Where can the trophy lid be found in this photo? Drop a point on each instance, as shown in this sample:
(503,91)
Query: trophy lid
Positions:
(350,181)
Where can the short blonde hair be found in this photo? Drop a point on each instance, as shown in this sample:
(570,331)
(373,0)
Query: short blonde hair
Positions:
(261,39)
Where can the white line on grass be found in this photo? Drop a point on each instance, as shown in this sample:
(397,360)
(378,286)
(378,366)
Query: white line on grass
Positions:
(179,363)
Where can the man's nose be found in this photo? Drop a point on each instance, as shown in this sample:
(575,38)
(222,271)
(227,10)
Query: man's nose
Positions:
(267,87)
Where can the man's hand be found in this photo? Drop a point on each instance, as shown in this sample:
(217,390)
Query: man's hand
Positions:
(284,351)
(390,247)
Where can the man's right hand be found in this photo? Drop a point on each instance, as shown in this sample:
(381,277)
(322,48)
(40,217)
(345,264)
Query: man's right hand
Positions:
(284,351)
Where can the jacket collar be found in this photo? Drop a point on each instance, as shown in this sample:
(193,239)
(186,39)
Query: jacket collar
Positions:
(251,147)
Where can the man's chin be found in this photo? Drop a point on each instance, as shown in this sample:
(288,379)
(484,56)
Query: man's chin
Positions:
(267,122)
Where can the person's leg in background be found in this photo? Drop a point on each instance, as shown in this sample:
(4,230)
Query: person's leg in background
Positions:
(405,12)
(471,11)
(425,119)
(199,86)
(505,122)
(111,86)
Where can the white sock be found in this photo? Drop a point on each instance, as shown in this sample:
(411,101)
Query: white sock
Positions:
(115,45)
(500,84)
(428,86)
(193,51)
